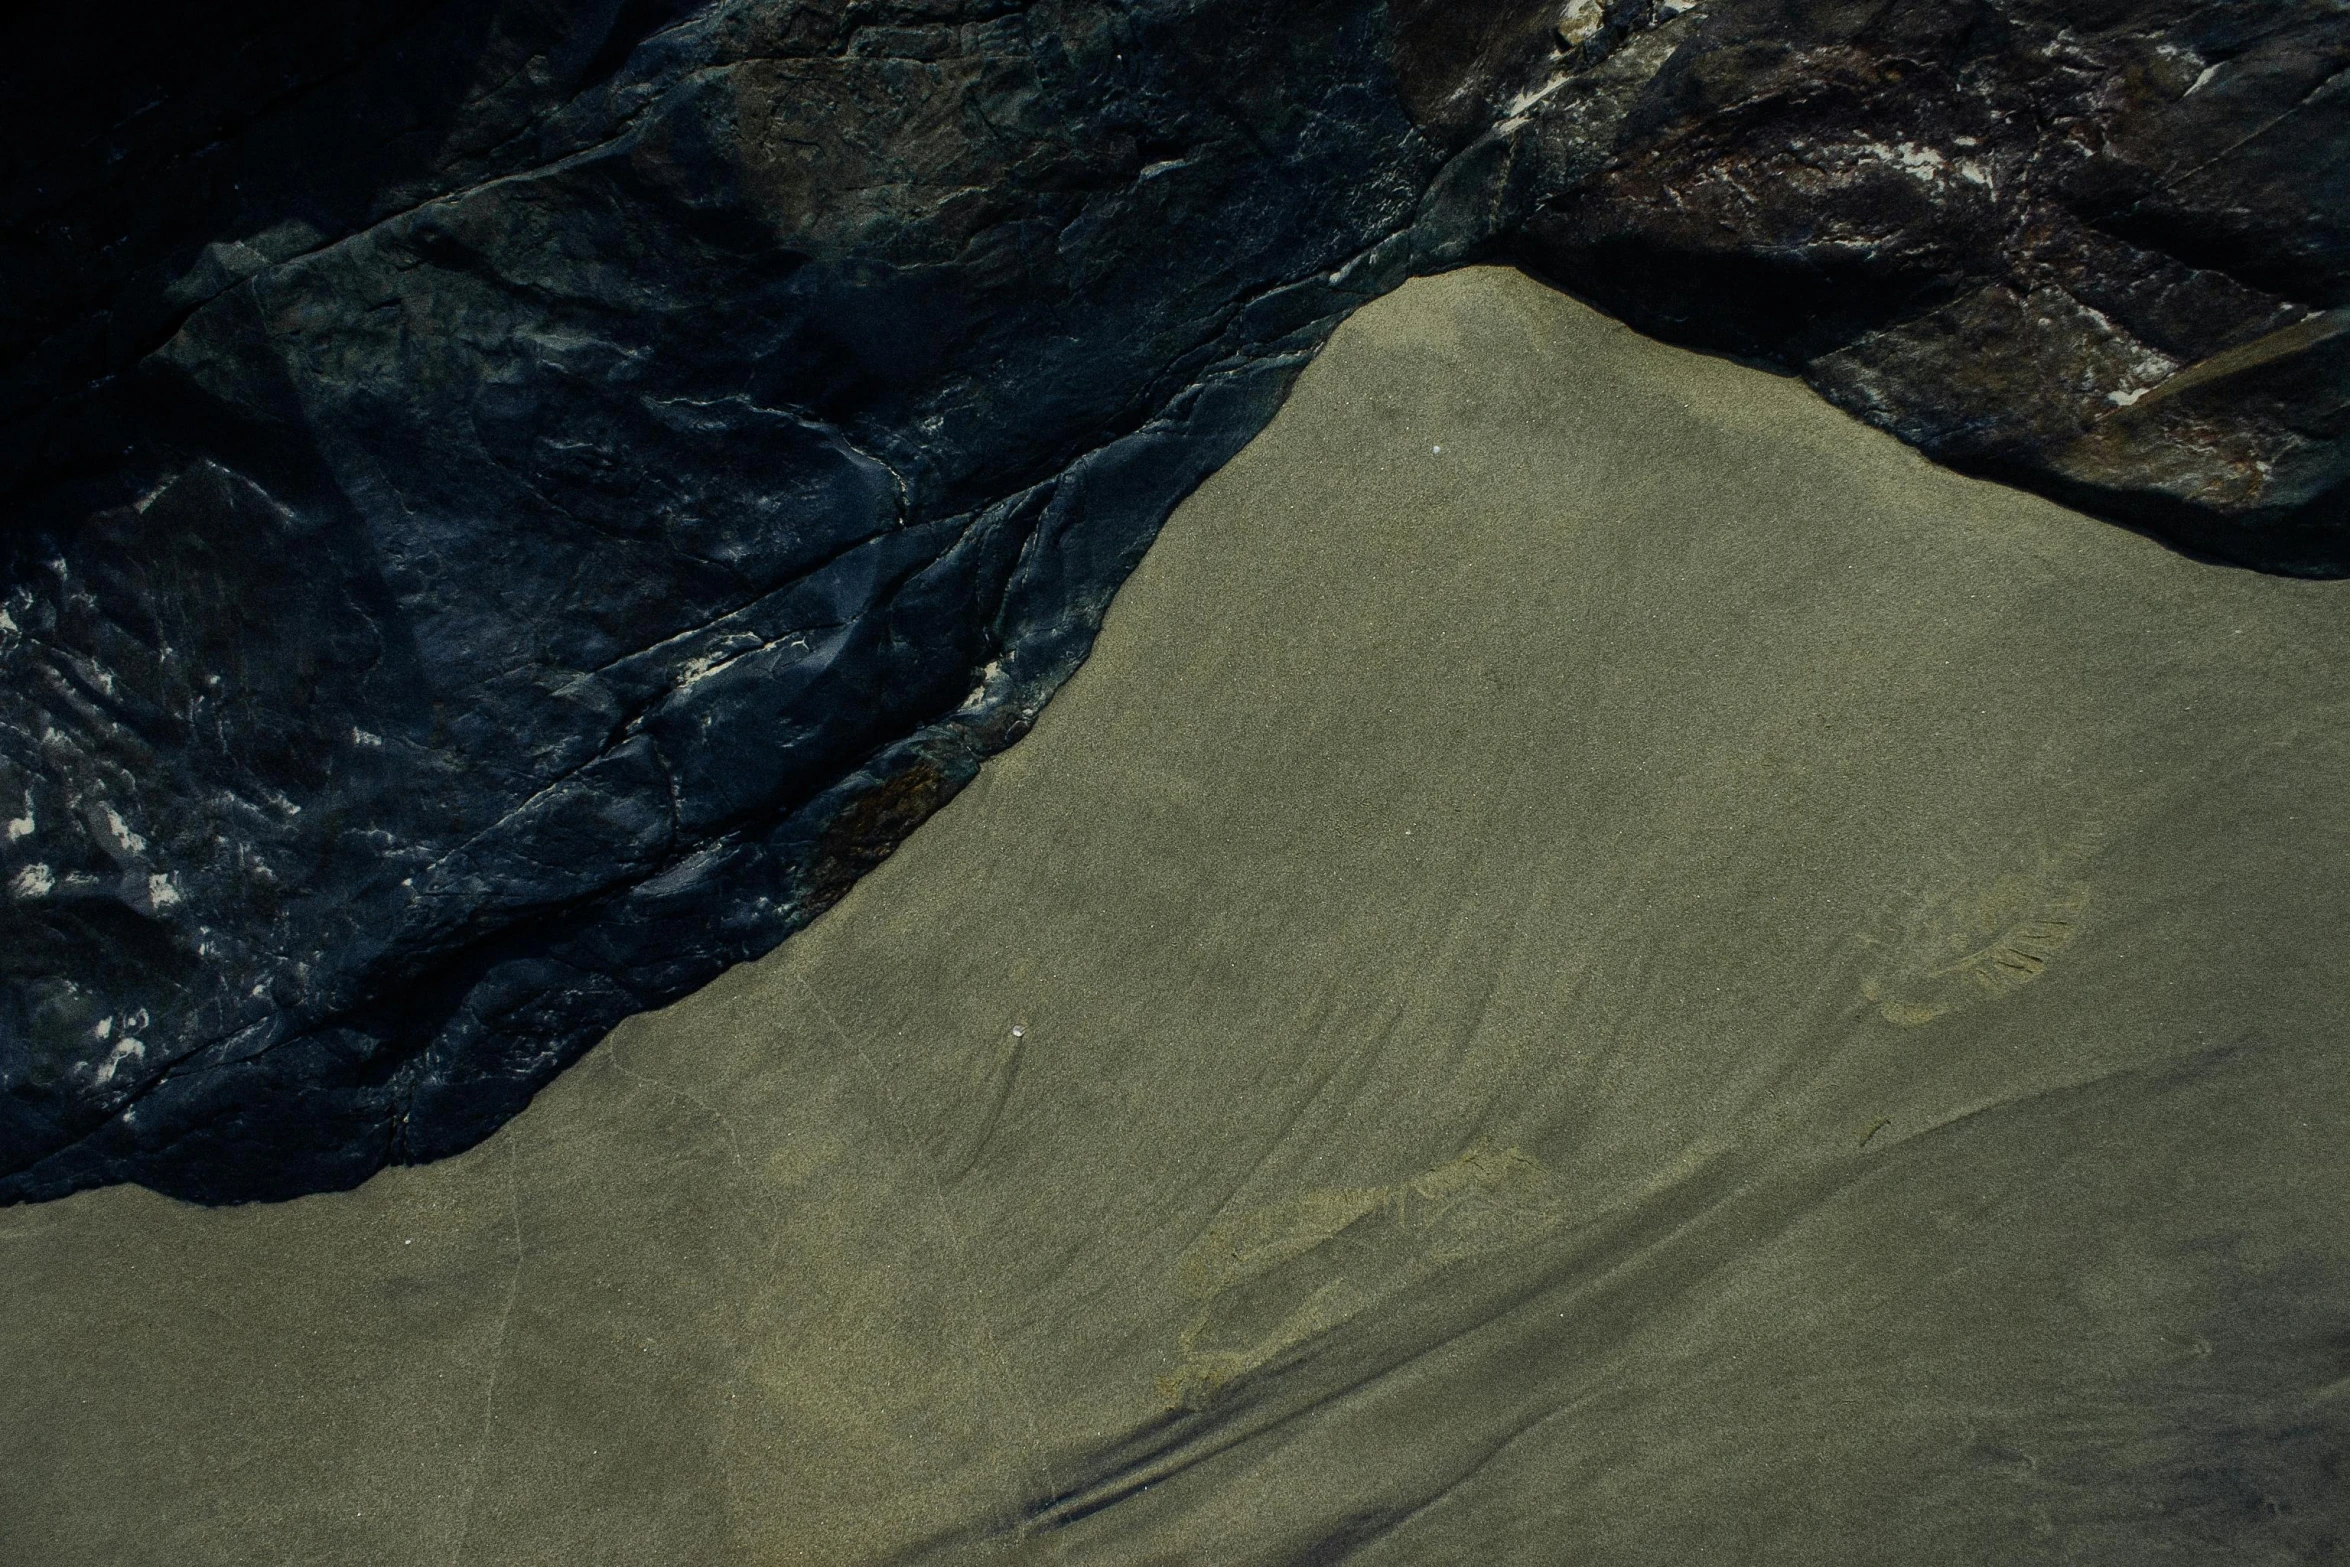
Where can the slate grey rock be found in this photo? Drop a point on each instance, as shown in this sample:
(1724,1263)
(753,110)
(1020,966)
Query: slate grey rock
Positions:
(514,611)
(513,507)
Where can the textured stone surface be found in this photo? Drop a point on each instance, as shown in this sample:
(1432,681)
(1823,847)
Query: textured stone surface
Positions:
(520,608)
(2097,247)
(513,507)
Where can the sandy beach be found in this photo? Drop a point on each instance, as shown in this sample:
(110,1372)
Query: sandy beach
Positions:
(1603,965)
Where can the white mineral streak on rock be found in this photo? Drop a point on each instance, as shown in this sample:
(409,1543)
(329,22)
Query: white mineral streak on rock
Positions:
(128,1050)
(1520,106)
(700,667)
(1580,20)
(988,679)
(125,839)
(1924,164)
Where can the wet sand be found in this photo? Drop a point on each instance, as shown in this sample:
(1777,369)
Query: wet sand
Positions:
(1602,966)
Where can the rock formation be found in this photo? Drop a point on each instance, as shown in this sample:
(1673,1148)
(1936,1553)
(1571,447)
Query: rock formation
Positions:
(2097,249)
(513,507)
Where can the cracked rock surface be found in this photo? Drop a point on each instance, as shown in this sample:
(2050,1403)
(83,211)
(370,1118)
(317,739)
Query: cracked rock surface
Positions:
(511,508)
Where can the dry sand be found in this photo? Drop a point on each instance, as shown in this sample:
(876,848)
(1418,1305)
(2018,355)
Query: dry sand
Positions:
(1603,966)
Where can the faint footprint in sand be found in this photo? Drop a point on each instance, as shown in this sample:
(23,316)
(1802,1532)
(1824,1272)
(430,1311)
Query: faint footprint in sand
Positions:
(1272,1278)
(1982,941)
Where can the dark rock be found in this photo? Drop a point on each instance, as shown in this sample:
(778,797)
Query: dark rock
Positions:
(511,612)
(514,507)
(2014,234)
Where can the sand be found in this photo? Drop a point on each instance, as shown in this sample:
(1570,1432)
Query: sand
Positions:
(1603,965)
